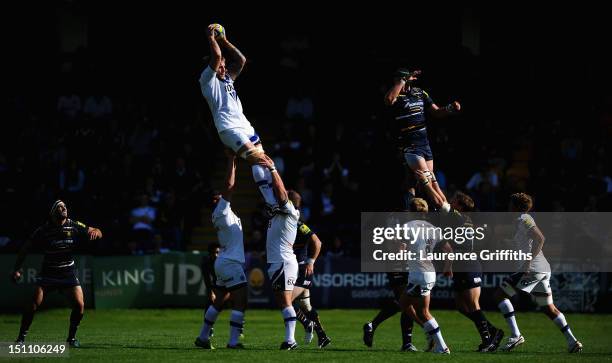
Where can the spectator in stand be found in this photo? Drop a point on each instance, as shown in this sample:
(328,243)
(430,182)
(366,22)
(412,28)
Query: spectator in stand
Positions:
(299,106)
(69,106)
(170,222)
(487,174)
(98,107)
(141,219)
(336,249)
(72,179)
(336,171)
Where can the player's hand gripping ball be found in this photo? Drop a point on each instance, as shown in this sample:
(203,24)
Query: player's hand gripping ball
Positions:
(219,31)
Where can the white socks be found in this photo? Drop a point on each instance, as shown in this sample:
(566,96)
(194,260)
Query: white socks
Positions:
(263,179)
(508,310)
(289,316)
(432,329)
(236,323)
(565,329)
(209,320)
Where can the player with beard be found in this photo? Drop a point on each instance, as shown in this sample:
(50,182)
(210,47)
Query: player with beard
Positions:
(57,239)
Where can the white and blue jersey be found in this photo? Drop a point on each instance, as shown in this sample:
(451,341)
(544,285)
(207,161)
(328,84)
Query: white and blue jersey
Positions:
(223,101)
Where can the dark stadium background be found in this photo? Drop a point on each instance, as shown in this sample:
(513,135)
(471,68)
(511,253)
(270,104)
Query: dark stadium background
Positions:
(533,85)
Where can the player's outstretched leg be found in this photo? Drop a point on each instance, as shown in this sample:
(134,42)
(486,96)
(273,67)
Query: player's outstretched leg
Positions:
(78,308)
(388,309)
(239,300)
(254,155)
(28,314)
(557,317)
(407,324)
(307,324)
(430,325)
(467,302)
(210,317)
(505,306)
(312,316)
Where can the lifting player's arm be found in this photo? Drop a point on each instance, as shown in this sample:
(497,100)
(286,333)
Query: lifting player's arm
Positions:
(215,50)
(314,248)
(277,183)
(230,178)
(235,59)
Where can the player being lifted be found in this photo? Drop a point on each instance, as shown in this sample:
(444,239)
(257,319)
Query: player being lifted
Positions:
(409,105)
(282,262)
(231,283)
(422,277)
(533,277)
(307,247)
(235,130)
(57,239)
(467,275)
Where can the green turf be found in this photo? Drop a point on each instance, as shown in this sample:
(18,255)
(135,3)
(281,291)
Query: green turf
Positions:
(167,335)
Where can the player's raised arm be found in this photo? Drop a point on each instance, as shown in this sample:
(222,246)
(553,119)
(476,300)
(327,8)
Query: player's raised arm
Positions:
(394,92)
(441,112)
(403,79)
(234,58)
(230,178)
(94,233)
(277,183)
(215,50)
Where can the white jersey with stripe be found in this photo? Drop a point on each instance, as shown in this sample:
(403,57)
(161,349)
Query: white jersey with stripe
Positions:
(229,232)
(424,241)
(524,242)
(223,101)
(282,230)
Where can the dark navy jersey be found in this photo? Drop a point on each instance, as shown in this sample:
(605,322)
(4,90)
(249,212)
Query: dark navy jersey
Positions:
(455,219)
(302,239)
(57,242)
(408,113)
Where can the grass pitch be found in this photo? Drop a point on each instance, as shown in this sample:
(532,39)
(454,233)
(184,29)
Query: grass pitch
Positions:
(168,335)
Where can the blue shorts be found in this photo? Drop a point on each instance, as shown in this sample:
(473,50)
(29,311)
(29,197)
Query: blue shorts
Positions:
(412,152)
(58,279)
(303,281)
(467,275)
(466,280)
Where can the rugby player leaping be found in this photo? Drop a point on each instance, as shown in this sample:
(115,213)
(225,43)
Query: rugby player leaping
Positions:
(409,105)
(235,131)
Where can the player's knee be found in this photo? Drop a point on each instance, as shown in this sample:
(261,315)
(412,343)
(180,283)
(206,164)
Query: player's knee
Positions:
(546,302)
(79,306)
(548,308)
(304,303)
(505,291)
(424,177)
(32,307)
(253,154)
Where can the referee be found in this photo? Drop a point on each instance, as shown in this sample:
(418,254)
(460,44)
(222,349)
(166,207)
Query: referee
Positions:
(57,238)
